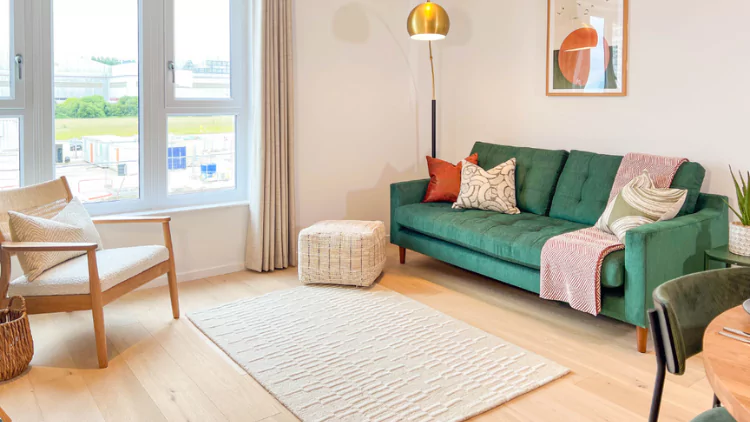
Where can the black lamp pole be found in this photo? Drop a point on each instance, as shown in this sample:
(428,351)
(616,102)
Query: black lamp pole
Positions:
(434,128)
(434,106)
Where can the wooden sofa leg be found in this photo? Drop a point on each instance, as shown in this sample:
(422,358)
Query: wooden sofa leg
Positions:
(642,335)
(402,255)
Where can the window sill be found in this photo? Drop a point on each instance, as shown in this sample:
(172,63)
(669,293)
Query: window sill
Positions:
(180,210)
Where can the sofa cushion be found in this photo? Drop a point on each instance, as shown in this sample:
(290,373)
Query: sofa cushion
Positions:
(537,172)
(690,176)
(515,238)
(583,190)
(586,181)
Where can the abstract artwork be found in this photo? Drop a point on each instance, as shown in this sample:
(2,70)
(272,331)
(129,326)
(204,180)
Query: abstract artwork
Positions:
(587,47)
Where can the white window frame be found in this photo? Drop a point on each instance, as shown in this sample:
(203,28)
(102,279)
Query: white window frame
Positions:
(236,13)
(16,106)
(236,105)
(17,98)
(155,48)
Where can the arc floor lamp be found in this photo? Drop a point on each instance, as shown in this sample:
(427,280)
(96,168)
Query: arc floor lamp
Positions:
(430,22)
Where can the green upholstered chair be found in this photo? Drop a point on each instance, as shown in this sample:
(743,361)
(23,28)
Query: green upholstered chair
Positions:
(684,307)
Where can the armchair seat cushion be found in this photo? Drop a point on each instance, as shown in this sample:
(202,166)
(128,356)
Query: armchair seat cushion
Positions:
(72,277)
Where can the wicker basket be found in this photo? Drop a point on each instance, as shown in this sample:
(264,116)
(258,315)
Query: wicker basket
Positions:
(16,345)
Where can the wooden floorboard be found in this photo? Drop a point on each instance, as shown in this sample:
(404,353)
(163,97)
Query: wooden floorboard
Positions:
(166,370)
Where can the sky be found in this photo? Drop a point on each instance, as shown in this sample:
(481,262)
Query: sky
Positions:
(85,28)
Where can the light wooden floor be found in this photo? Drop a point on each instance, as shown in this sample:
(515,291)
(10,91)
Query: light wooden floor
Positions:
(163,369)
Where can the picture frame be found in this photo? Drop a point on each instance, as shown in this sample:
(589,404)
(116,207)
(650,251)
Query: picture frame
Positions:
(587,48)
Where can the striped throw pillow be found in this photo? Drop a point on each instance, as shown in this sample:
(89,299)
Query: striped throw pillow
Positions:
(640,203)
(72,225)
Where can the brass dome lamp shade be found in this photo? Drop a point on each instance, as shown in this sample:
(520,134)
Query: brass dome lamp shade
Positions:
(429,22)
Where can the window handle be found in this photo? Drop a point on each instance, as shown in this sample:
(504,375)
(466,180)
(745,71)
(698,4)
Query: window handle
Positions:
(19,66)
(170,67)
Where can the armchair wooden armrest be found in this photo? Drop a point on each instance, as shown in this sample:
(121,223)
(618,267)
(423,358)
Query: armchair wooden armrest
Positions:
(131,219)
(14,247)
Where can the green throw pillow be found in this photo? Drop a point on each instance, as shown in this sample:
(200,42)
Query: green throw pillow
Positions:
(640,203)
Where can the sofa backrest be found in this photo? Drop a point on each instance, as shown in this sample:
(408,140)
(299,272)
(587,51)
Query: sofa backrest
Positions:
(537,171)
(583,189)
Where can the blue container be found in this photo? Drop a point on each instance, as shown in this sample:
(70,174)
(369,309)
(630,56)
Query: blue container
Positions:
(208,170)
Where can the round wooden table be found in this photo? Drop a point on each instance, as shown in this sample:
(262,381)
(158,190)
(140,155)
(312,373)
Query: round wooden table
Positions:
(727,363)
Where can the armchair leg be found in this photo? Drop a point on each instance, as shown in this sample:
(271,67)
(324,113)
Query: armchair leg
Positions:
(642,338)
(172,274)
(173,292)
(100,333)
(97,310)
(402,255)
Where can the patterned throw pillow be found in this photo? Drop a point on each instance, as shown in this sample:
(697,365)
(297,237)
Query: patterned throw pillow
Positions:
(640,203)
(490,190)
(72,224)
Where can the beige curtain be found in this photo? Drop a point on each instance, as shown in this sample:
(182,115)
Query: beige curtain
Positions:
(271,239)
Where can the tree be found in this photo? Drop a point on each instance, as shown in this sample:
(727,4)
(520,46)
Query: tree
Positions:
(67,109)
(95,106)
(125,106)
(89,110)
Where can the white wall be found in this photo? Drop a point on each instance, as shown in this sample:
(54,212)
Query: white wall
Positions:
(688,94)
(356,114)
(207,242)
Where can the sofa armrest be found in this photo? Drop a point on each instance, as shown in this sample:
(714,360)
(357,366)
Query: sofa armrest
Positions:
(405,193)
(659,252)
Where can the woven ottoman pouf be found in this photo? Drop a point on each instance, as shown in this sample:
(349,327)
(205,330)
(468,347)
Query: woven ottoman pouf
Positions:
(350,253)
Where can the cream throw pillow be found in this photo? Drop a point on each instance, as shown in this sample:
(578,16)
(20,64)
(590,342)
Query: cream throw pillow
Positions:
(640,203)
(72,224)
(490,190)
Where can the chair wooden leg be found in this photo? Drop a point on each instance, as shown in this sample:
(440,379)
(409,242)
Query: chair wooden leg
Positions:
(642,338)
(172,274)
(402,255)
(97,310)
(173,292)
(100,334)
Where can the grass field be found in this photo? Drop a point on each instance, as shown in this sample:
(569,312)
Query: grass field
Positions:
(66,129)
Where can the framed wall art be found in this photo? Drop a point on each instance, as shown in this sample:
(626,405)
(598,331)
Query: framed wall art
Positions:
(587,47)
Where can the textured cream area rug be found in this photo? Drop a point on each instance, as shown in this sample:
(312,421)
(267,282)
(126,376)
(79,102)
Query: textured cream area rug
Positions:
(344,354)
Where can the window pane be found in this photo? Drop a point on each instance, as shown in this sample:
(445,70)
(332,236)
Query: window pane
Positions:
(96,97)
(201,48)
(5,39)
(10,141)
(200,153)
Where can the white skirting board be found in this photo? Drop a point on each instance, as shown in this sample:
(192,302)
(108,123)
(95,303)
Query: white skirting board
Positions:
(196,275)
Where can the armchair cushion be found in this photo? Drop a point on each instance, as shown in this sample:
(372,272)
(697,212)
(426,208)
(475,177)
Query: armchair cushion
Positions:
(72,277)
(71,224)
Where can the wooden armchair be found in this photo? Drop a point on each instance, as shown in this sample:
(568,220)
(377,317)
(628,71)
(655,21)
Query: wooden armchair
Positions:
(87,282)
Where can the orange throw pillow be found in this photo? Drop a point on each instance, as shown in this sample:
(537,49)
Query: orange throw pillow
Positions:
(445,179)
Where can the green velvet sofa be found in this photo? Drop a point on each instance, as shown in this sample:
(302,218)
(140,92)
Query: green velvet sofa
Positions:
(559,192)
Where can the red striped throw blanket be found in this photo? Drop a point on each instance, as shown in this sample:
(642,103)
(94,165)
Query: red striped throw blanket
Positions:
(572,262)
